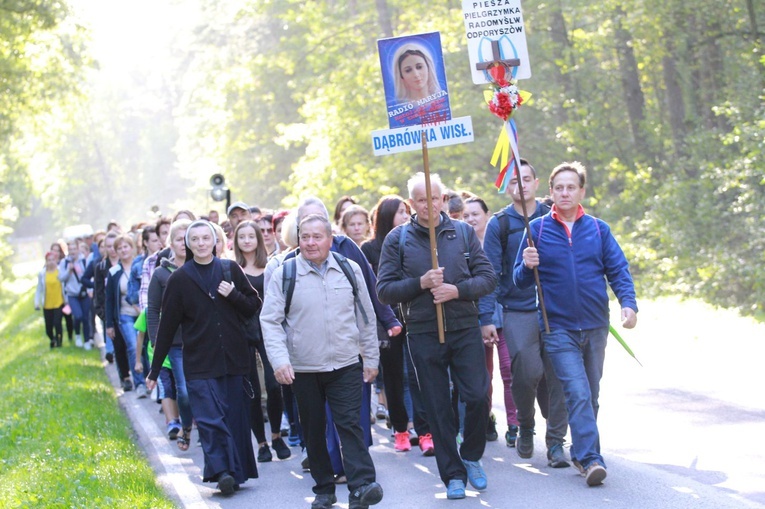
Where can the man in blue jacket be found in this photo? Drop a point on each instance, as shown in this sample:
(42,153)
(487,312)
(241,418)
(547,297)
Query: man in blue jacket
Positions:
(575,254)
(521,324)
(406,277)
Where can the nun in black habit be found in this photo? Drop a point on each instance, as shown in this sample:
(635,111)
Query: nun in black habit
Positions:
(207,307)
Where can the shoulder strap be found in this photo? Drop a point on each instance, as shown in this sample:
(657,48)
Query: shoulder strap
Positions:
(460,227)
(288,283)
(348,271)
(226,270)
(402,243)
(504,228)
(541,227)
(597,226)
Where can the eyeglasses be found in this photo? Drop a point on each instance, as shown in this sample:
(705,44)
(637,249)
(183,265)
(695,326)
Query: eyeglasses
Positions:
(267,230)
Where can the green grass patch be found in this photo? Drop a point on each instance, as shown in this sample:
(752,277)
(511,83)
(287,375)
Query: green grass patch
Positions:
(64,441)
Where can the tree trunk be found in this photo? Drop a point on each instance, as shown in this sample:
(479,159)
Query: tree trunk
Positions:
(714,76)
(561,53)
(383,17)
(753,22)
(674,98)
(633,94)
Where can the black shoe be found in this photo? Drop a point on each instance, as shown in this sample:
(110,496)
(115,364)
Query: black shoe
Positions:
(282,451)
(52,345)
(511,435)
(264,454)
(109,357)
(363,497)
(324,501)
(525,443)
(127,385)
(491,429)
(226,484)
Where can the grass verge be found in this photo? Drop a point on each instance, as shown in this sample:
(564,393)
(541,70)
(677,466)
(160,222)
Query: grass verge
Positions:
(64,440)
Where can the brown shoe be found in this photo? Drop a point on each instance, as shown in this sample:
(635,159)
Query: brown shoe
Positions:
(596,474)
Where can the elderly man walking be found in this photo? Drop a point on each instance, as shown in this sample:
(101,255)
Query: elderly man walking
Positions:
(330,322)
(464,275)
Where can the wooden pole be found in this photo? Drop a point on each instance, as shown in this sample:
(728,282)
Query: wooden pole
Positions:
(519,183)
(432,231)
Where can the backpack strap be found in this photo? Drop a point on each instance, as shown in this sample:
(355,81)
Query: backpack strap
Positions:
(504,234)
(402,244)
(348,271)
(289,277)
(226,270)
(541,227)
(460,227)
(504,229)
(288,283)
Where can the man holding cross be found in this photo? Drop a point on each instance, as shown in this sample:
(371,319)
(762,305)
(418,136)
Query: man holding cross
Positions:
(575,254)
(464,275)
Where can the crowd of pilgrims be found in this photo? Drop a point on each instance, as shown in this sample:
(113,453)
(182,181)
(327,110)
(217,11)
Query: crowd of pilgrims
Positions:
(104,292)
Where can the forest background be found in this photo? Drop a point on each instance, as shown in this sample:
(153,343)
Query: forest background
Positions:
(662,100)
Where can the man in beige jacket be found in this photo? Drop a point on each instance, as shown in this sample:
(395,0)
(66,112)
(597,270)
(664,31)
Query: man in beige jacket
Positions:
(328,327)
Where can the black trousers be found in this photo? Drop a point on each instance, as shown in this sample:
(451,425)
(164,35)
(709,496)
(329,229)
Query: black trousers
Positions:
(53,324)
(392,361)
(341,389)
(420,416)
(274,403)
(69,326)
(461,356)
(120,354)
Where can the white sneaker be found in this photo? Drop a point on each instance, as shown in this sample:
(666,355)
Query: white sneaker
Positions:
(141,392)
(285,425)
(78,341)
(88,345)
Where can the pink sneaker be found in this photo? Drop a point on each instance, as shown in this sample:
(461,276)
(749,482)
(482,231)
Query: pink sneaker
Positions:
(402,442)
(426,445)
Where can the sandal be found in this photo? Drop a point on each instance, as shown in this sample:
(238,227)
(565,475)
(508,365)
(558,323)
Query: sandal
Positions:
(184,439)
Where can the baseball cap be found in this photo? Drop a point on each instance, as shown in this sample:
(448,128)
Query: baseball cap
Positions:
(237,205)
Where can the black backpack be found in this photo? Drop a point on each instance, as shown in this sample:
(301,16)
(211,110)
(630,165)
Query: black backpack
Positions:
(506,229)
(288,283)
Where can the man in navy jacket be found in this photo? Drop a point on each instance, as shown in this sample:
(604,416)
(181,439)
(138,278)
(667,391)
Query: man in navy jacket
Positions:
(576,254)
(464,275)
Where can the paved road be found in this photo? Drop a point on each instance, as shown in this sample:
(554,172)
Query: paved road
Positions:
(686,430)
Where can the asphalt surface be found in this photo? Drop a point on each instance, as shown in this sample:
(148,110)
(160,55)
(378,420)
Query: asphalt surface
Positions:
(685,430)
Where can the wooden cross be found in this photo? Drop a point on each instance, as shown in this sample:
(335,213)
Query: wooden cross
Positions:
(497,59)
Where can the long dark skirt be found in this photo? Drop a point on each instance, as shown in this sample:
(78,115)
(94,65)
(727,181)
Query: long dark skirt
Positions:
(221,410)
(333,439)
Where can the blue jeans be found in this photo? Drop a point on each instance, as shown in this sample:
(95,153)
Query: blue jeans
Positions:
(184,408)
(129,334)
(81,315)
(577,359)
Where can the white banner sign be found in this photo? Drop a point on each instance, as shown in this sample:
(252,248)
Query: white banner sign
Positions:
(495,20)
(405,139)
